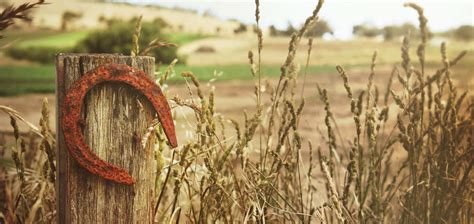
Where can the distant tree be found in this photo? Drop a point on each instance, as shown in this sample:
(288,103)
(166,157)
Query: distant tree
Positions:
(68,17)
(318,29)
(108,21)
(364,30)
(240,29)
(273,31)
(392,32)
(290,29)
(177,8)
(102,19)
(254,28)
(465,32)
(208,13)
(118,39)
(160,22)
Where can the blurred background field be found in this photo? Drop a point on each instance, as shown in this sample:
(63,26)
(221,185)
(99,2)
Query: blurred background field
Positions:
(229,55)
(214,48)
(368,121)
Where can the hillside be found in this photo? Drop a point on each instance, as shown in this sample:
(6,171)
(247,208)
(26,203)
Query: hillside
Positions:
(50,16)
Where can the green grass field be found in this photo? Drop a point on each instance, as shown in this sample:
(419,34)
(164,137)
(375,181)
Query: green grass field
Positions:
(44,38)
(69,39)
(16,80)
(59,39)
(20,79)
(183,38)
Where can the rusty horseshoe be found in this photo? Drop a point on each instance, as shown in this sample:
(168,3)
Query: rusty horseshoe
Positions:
(71,120)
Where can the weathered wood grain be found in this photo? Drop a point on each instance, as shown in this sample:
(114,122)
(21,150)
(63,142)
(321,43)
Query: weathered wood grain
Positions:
(115,117)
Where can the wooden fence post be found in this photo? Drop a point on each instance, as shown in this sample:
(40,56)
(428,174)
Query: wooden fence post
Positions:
(116,117)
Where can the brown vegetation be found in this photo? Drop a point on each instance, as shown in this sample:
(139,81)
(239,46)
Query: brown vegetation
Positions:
(265,172)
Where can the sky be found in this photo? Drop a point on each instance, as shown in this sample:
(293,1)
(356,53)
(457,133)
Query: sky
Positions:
(342,15)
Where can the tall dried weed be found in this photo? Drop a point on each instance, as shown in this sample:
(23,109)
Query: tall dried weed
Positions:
(258,175)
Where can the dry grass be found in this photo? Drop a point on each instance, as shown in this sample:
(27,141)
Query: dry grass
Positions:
(28,193)
(258,174)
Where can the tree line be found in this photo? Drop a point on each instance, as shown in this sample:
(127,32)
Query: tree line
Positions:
(364,30)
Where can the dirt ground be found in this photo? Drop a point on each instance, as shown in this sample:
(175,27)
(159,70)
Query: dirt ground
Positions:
(231,99)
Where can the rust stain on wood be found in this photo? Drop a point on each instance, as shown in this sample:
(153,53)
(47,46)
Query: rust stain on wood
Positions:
(71,120)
